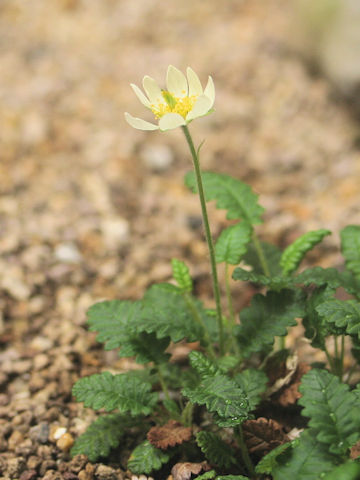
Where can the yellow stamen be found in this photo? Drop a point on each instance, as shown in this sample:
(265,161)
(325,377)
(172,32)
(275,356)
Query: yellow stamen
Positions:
(172,104)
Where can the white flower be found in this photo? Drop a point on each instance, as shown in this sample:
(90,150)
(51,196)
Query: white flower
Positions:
(183,100)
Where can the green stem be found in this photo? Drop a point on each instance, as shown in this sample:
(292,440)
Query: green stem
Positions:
(261,255)
(342,354)
(163,384)
(209,240)
(228,295)
(186,415)
(238,432)
(330,360)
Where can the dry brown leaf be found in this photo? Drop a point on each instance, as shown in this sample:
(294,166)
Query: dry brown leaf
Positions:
(183,471)
(263,435)
(289,394)
(280,368)
(169,435)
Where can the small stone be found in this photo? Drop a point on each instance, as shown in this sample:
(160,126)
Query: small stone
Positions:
(104,472)
(16,466)
(3,444)
(33,462)
(115,231)
(67,253)
(157,158)
(49,466)
(88,473)
(40,432)
(51,475)
(70,476)
(41,344)
(29,475)
(15,439)
(65,442)
(78,463)
(40,361)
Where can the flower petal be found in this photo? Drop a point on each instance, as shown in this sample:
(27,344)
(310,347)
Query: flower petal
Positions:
(139,123)
(176,82)
(195,87)
(201,108)
(210,91)
(152,89)
(170,121)
(140,95)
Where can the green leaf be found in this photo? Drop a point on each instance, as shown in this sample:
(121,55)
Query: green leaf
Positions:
(215,449)
(232,242)
(294,253)
(345,314)
(350,247)
(268,463)
(325,276)
(146,347)
(146,458)
(203,365)
(207,475)
(253,383)
(220,395)
(101,436)
(333,410)
(267,317)
(113,320)
(230,194)
(316,328)
(272,255)
(276,283)
(125,392)
(181,275)
(347,471)
(232,477)
(166,313)
(307,460)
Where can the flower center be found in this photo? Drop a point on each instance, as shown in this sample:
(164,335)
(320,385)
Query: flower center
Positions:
(172,104)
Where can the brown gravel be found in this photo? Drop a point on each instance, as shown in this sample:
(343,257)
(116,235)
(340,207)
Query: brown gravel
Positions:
(91,209)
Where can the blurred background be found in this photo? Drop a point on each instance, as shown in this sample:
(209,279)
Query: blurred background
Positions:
(91,208)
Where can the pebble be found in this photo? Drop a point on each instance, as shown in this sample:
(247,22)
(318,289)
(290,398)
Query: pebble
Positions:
(104,472)
(67,253)
(15,439)
(115,231)
(40,432)
(78,463)
(29,475)
(157,158)
(15,466)
(41,344)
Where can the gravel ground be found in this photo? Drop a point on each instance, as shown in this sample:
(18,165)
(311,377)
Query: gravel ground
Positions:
(91,209)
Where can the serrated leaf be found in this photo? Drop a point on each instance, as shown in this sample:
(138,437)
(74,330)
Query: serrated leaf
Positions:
(272,255)
(101,436)
(333,410)
(113,321)
(316,328)
(345,314)
(270,461)
(307,460)
(220,395)
(146,347)
(203,365)
(350,247)
(347,471)
(207,475)
(124,392)
(230,194)
(294,253)
(166,313)
(232,242)
(146,458)
(323,276)
(232,477)
(274,283)
(253,383)
(216,451)
(267,317)
(181,275)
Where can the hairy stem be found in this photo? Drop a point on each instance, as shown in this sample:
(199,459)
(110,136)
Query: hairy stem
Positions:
(163,383)
(228,295)
(196,163)
(261,255)
(244,451)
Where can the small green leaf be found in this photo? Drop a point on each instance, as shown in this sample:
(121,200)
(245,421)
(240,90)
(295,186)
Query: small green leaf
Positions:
(207,475)
(326,276)
(220,395)
(276,283)
(345,314)
(253,383)
(146,347)
(146,458)
(350,247)
(294,253)
(348,471)
(102,435)
(268,463)
(333,410)
(307,460)
(268,317)
(215,450)
(181,275)
(203,365)
(230,194)
(232,477)
(232,242)
(125,392)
